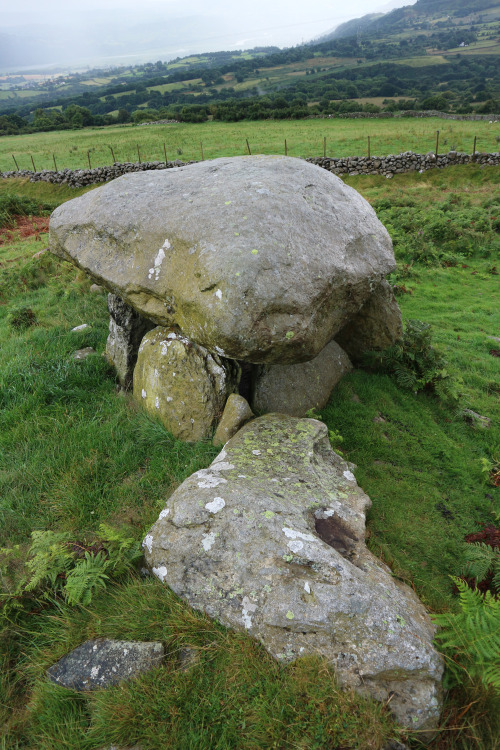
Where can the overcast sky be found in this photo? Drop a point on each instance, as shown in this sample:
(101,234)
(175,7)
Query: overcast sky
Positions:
(204,25)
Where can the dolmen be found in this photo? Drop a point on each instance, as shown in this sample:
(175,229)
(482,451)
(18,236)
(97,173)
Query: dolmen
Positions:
(260,276)
(265,266)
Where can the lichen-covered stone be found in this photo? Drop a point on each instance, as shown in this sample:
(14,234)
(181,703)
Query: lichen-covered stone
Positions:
(294,389)
(101,663)
(236,412)
(376,326)
(126,331)
(270,539)
(261,258)
(182,384)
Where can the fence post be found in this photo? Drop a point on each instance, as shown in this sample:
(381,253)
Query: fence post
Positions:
(112,154)
(138,153)
(248,147)
(55,165)
(437,143)
(286,149)
(165,152)
(15,162)
(33,162)
(368,146)
(324,147)
(474,149)
(201,146)
(88,157)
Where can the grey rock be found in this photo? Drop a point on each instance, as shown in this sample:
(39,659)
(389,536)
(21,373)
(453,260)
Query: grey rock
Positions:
(236,412)
(294,389)
(182,384)
(81,354)
(96,289)
(270,539)
(258,258)
(376,326)
(82,327)
(101,663)
(126,331)
(477,420)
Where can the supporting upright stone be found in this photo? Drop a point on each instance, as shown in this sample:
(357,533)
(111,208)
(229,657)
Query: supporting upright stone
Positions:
(126,331)
(376,326)
(294,389)
(182,384)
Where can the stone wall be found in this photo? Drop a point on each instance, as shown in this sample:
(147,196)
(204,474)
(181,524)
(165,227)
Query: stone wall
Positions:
(347,165)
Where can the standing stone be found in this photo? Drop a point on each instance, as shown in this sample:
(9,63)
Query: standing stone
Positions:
(236,412)
(126,331)
(294,389)
(101,663)
(182,384)
(270,539)
(377,325)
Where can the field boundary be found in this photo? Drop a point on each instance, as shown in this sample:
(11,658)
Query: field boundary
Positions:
(347,165)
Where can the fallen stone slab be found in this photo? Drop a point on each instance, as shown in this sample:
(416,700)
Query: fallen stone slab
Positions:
(82,354)
(260,258)
(270,540)
(101,663)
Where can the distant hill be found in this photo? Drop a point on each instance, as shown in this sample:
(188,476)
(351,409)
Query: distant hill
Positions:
(431,13)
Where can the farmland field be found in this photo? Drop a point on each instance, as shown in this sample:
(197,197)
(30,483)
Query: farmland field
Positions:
(304,138)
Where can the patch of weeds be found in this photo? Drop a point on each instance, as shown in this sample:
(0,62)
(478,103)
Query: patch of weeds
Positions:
(415,364)
(21,317)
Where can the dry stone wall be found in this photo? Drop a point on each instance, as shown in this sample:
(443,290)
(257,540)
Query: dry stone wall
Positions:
(347,165)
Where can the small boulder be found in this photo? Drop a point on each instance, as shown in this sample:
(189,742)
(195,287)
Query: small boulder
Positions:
(270,540)
(81,354)
(236,413)
(182,384)
(102,663)
(294,389)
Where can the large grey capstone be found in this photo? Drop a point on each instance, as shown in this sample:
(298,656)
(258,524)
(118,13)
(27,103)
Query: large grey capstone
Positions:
(270,539)
(101,663)
(258,258)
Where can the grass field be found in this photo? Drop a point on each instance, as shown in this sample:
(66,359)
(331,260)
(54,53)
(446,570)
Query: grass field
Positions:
(304,138)
(74,453)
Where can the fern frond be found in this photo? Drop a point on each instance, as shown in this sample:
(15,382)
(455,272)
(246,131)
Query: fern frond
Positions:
(87,575)
(50,560)
(481,558)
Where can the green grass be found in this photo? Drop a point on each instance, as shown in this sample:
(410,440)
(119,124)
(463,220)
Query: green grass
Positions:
(74,452)
(304,138)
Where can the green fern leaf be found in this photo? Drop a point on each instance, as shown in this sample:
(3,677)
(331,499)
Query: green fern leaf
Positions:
(87,575)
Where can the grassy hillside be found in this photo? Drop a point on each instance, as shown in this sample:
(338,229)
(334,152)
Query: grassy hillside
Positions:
(75,452)
(182,141)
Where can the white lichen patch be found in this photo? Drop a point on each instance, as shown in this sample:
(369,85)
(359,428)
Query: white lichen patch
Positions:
(291,534)
(349,476)
(143,393)
(164,513)
(295,546)
(94,672)
(157,402)
(160,572)
(217,504)
(209,480)
(247,611)
(160,255)
(208,540)
(218,294)
(307,587)
(148,543)
(219,350)
(169,399)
